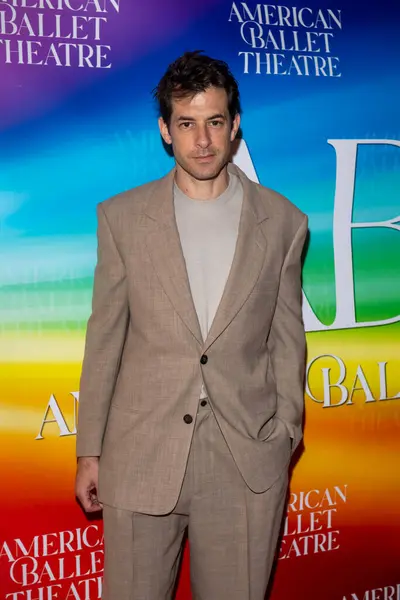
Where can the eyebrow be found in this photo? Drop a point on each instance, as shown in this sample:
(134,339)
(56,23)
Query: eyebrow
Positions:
(216,116)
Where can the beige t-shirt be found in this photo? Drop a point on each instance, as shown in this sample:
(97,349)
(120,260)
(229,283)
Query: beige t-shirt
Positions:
(208,232)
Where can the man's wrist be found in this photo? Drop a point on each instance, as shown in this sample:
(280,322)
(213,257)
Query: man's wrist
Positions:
(87,459)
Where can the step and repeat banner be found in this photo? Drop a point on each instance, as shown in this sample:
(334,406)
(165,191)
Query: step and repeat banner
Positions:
(320,86)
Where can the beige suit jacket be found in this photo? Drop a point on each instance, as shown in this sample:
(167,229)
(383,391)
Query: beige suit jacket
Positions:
(143,366)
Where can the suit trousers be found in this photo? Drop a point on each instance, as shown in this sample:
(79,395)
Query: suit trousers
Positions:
(232,531)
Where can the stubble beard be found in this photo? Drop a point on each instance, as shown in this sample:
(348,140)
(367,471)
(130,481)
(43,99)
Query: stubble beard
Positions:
(203,174)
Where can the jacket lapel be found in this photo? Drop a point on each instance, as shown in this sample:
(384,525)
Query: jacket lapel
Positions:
(165,250)
(248,258)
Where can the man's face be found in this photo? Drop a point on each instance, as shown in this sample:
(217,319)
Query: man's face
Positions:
(201,132)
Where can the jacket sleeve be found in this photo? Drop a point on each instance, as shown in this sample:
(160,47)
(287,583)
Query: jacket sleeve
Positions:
(105,339)
(286,341)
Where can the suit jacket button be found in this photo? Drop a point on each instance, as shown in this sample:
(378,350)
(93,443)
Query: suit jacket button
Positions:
(204,359)
(188,419)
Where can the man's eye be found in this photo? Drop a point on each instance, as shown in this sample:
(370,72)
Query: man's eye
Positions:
(186,125)
(216,123)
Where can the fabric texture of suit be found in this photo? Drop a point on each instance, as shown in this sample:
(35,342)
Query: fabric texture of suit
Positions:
(142,370)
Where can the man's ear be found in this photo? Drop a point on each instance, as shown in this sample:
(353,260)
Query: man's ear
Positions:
(235,126)
(164,131)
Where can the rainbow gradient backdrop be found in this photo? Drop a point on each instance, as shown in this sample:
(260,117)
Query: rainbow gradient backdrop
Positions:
(70,138)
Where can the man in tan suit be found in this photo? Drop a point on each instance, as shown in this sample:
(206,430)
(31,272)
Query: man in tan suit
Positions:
(191,393)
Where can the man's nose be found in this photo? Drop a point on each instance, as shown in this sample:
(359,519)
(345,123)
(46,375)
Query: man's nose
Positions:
(203,136)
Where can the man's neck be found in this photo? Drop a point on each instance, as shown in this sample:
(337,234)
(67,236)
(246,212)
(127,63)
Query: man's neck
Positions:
(202,189)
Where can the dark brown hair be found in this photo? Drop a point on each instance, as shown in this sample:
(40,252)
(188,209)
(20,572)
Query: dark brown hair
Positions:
(192,73)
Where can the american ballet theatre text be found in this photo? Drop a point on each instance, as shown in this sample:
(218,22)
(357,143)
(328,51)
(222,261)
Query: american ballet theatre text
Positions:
(283,40)
(66,565)
(61,33)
